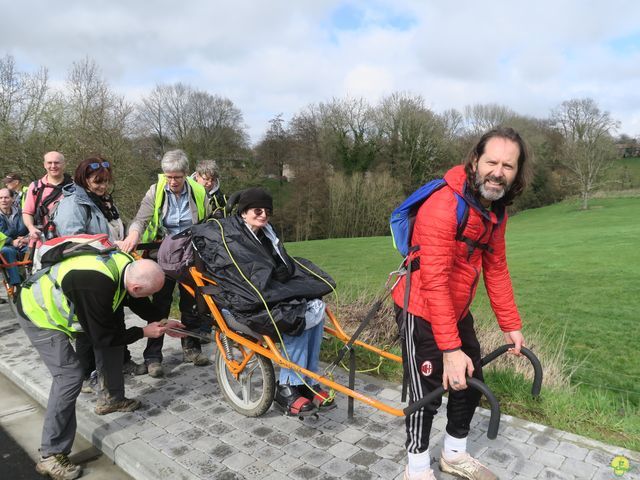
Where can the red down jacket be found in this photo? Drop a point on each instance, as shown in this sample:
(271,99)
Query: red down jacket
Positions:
(444,286)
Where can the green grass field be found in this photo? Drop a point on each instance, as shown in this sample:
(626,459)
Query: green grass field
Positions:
(576,273)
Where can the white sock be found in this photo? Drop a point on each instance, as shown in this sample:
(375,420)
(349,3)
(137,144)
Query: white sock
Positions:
(453,446)
(418,462)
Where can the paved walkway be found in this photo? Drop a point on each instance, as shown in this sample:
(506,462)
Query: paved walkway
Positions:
(187,431)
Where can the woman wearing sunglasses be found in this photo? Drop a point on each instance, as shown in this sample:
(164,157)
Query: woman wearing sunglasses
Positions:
(247,243)
(87,206)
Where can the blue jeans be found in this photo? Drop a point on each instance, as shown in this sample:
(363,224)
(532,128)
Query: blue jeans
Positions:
(10,254)
(303,350)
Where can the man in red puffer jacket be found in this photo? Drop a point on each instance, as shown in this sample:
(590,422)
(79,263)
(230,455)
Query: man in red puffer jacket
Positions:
(440,341)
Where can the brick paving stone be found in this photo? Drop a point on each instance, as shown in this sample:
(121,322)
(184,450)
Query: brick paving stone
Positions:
(549,473)
(305,472)
(286,463)
(316,457)
(599,458)
(257,470)
(343,450)
(364,458)
(542,440)
(392,452)
(385,468)
(268,454)
(350,435)
(228,475)
(337,467)
(578,468)
(500,458)
(323,441)
(571,450)
(305,432)
(549,459)
(222,451)
(151,433)
(361,474)
(238,461)
(192,434)
(526,467)
(278,439)
(298,448)
(371,444)
(514,433)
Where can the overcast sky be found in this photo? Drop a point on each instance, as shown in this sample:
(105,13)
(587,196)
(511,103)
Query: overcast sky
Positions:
(272,57)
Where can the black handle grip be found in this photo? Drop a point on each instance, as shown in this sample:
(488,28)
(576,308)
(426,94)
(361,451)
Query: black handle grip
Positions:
(494,420)
(537,367)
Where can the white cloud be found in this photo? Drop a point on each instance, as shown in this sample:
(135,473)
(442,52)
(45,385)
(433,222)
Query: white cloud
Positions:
(279,56)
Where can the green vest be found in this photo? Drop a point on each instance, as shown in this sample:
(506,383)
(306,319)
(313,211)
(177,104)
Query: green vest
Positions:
(198,193)
(23,199)
(45,304)
(3,239)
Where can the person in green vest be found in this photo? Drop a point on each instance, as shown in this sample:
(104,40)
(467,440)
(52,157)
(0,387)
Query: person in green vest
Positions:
(86,293)
(170,206)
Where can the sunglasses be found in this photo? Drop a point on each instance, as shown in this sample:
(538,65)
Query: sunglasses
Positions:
(97,165)
(259,211)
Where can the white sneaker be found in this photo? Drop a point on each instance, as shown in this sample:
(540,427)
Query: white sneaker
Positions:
(426,475)
(465,466)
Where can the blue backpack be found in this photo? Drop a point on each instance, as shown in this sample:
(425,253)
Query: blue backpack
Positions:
(403,217)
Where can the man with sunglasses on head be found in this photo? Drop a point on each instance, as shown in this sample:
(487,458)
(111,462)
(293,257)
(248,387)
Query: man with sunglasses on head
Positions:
(170,206)
(43,197)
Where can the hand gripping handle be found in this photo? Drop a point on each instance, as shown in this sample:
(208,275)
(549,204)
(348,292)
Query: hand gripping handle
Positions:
(537,367)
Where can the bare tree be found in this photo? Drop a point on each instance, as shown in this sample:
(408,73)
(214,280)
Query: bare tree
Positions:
(274,150)
(23,99)
(412,138)
(588,143)
(348,126)
(481,118)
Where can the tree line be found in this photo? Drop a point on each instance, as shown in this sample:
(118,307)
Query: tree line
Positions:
(336,168)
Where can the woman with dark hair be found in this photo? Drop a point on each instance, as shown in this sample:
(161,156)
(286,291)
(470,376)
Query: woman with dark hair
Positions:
(87,206)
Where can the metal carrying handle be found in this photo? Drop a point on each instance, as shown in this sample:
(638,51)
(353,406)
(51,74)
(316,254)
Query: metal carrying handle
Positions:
(494,420)
(535,363)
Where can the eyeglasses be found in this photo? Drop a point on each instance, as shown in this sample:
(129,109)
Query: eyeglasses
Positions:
(97,165)
(172,178)
(259,211)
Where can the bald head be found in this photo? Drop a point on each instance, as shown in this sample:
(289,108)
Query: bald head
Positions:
(54,164)
(144,278)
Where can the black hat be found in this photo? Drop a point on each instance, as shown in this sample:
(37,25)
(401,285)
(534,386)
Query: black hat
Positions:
(254,198)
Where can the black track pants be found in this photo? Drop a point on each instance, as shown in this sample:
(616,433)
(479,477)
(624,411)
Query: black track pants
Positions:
(422,362)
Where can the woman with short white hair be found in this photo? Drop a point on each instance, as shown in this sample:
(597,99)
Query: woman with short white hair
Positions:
(170,206)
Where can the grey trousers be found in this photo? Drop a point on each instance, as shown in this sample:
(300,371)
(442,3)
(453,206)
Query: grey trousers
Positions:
(109,362)
(58,355)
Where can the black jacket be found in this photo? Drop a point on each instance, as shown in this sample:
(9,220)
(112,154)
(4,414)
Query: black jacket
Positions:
(284,293)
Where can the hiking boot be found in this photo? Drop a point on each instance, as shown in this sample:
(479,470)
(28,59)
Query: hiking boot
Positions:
(58,467)
(426,475)
(132,368)
(124,405)
(465,466)
(155,370)
(90,385)
(191,355)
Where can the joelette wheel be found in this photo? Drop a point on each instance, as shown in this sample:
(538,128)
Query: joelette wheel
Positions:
(251,394)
